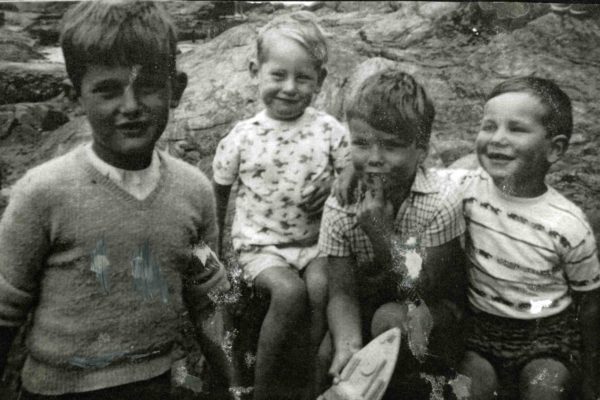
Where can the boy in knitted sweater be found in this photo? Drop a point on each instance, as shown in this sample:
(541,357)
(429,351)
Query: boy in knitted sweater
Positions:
(107,244)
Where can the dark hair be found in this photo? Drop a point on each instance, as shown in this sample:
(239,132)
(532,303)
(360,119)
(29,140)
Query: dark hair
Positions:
(117,32)
(558,119)
(392,101)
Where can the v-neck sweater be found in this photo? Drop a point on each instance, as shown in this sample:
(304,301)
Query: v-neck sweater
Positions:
(101,269)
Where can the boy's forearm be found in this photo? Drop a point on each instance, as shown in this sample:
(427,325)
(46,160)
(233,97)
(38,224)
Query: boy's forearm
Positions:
(210,323)
(222,193)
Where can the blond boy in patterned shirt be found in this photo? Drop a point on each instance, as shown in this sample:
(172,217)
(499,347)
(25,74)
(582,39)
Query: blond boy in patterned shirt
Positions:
(394,256)
(284,159)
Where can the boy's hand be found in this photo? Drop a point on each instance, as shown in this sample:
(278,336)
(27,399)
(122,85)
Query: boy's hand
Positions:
(340,359)
(344,185)
(313,198)
(375,213)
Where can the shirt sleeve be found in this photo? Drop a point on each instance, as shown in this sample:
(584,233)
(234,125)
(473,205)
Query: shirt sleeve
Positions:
(448,222)
(340,146)
(24,243)
(333,239)
(581,264)
(226,162)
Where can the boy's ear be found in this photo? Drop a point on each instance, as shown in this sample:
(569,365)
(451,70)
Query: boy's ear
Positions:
(179,84)
(322,76)
(423,152)
(558,147)
(69,90)
(253,68)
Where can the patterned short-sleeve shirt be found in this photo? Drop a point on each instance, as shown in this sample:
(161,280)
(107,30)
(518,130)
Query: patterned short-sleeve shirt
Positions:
(276,163)
(525,254)
(431,214)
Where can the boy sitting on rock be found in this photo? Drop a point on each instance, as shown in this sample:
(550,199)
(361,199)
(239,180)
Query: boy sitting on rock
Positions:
(108,243)
(533,269)
(284,159)
(394,256)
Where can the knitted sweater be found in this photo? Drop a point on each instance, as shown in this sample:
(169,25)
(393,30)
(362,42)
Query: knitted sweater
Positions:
(102,270)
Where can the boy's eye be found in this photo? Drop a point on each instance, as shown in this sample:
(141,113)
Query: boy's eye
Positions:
(108,89)
(488,127)
(148,86)
(394,144)
(359,142)
(304,78)
(518,128)
(277,74)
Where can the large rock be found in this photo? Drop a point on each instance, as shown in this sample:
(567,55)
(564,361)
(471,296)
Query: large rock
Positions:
(36,117)
(30,82)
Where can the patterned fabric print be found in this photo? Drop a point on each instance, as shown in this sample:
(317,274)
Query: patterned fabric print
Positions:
(525,254)
(277,162)
(509,344)
(431,214)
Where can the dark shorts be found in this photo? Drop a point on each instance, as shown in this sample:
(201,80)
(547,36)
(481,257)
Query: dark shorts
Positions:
(510,344)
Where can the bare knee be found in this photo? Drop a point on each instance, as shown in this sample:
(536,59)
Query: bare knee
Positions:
(484,381)
(389,315)
(315,277)
(286,290)
(545,378)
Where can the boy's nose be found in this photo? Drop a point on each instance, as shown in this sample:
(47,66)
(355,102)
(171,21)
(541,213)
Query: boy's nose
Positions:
(499,136)
(130,103)
(375,157)
(289,85)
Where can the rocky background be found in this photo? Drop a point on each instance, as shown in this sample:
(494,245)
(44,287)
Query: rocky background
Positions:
(458,51)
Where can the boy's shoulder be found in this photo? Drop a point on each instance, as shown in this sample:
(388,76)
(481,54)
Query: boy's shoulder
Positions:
(183,172)
(565,216)
(62,171)
(311,116)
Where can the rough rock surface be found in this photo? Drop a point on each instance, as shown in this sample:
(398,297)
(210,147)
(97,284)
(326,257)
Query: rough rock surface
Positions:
(31,81)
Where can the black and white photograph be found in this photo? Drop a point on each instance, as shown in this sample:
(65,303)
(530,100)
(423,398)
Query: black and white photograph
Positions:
(299,200)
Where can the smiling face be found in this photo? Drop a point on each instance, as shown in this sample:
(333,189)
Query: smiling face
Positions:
(128,109)
(288,78)
(393,158)
(513,145)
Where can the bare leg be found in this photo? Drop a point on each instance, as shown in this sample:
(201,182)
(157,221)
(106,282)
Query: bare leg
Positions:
(323,362)
(287,308)
(315,277)
(484,381)
(546,379)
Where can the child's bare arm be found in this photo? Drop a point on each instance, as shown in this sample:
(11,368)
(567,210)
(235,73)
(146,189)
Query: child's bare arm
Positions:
(589,319)
(345,184)
(343,312)
(222,198)
(203,285)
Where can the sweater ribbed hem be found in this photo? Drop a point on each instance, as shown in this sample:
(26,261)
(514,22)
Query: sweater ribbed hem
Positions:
(46,379)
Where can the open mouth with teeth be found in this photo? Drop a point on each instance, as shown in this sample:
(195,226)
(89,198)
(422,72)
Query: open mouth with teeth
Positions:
(136,127)
(499,157)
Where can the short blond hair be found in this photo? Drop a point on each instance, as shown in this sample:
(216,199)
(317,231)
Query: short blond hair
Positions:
(300,27)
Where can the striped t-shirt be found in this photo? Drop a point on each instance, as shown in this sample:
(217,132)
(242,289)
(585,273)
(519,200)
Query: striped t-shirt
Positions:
(525,254)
